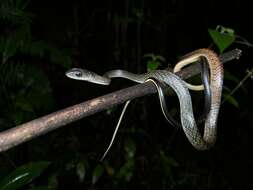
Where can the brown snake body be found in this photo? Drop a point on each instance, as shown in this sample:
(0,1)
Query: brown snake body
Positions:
(216,83)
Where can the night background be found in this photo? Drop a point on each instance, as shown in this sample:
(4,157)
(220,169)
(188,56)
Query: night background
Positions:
(41,40)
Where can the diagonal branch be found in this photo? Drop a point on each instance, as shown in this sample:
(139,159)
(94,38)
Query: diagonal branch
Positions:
(45,124)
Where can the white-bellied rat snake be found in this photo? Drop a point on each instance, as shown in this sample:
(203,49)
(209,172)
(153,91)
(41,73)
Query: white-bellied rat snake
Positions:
(180,87)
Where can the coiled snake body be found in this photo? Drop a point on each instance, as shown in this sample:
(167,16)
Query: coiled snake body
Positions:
(180,87)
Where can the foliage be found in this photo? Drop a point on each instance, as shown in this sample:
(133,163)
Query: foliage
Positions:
(222,37)
(97,172)
(23,175)
(25,88)
(18,37)
(126,171)
(154,61)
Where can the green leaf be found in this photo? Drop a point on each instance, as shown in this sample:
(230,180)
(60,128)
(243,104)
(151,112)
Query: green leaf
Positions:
(167,163)
(152,65)
(168,160)
(154,62)
(231,77)
(222,40)
(97,173)
(23,175)
(126,171)
(232,101)
(228,97)
(130,148)
(111,110)
(81,170)
(10,49)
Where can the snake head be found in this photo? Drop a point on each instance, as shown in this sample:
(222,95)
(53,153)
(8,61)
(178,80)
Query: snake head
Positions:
(86,75)
(76,73)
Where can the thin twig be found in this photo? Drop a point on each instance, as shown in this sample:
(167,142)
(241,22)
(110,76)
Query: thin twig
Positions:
(248,75)
(45,124)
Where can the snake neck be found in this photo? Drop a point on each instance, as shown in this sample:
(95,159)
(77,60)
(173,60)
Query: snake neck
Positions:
(139,78)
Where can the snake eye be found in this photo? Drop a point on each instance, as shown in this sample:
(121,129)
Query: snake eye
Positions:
(78,74)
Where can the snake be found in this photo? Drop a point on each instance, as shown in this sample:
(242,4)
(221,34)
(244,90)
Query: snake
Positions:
(180,87)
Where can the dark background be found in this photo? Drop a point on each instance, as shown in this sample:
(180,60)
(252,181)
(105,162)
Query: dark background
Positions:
(104,35)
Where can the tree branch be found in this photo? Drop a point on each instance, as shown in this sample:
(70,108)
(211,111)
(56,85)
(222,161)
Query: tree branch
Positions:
(45,124)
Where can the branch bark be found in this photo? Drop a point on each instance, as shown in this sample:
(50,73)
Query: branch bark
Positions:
(45,124)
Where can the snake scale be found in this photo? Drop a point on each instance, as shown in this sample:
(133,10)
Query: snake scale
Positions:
(180,87)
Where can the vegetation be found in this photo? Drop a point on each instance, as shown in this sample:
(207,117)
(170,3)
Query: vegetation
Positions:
(40,40)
